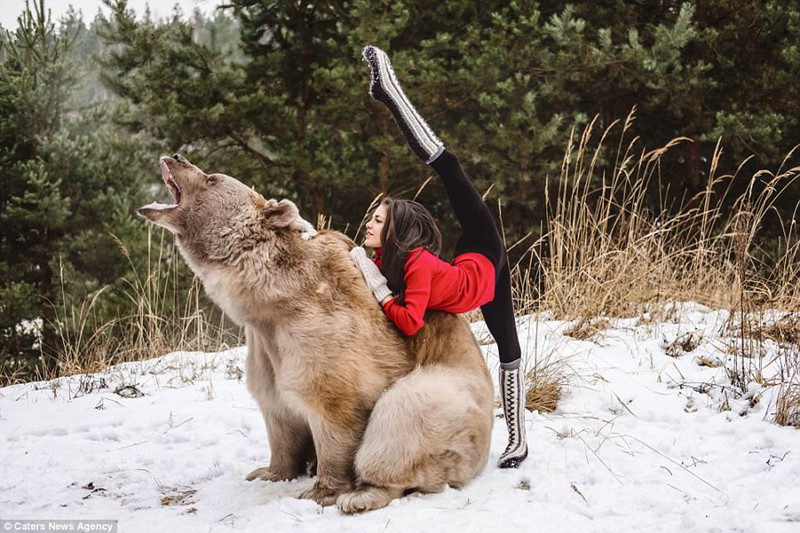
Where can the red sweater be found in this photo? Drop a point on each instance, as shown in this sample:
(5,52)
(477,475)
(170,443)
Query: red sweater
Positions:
(457,287)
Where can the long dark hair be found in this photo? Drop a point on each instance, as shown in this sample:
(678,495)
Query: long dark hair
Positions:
(408,226)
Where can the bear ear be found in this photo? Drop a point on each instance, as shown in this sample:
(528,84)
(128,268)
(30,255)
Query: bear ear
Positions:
(279,214)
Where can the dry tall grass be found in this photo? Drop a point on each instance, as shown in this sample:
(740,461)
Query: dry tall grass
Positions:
(165,318)
(607,252)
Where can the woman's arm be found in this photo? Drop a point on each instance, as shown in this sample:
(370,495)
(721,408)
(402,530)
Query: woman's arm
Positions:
(409,317)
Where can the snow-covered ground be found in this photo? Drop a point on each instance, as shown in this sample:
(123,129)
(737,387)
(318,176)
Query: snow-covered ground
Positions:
(641,441)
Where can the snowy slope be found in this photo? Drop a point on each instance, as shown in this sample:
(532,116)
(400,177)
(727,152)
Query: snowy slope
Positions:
(641,441)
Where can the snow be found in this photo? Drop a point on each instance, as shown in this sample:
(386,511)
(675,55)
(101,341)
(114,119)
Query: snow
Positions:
(640,441)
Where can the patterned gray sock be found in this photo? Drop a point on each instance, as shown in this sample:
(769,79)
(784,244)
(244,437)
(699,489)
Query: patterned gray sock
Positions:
(385,88)
(512,394)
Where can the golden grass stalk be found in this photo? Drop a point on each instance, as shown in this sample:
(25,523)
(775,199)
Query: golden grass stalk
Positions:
(607,250)
(165,318)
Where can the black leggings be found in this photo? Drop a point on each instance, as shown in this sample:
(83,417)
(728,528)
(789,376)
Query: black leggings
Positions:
(479,234)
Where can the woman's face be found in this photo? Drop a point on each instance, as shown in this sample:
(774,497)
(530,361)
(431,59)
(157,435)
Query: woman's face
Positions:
(372,237)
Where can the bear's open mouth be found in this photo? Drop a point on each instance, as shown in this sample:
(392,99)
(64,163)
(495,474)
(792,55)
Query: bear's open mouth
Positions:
(172,185)
(170,181)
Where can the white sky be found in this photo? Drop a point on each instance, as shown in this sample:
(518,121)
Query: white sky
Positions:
(11,9)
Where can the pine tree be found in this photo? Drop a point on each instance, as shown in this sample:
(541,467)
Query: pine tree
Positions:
(33,79)
(503,83)
(66,186)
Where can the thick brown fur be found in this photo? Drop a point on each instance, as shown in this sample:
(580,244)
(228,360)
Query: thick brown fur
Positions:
(334,379)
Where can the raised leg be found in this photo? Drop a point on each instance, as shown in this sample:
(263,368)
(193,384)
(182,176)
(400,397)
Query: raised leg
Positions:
(478,230)
(385,88)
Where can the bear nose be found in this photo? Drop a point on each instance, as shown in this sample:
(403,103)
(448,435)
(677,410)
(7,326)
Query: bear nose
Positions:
(179,158)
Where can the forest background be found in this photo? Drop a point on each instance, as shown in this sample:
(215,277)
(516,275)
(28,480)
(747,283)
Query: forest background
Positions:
(528,94)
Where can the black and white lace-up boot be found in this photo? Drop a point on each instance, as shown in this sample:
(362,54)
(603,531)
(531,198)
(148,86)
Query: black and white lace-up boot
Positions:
(512,394)
(385,88)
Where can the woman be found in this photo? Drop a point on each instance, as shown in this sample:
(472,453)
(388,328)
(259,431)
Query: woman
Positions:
(407,277)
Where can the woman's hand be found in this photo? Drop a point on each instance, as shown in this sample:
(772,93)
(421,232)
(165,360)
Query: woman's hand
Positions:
(372,275)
